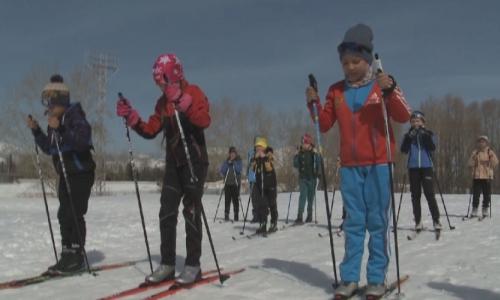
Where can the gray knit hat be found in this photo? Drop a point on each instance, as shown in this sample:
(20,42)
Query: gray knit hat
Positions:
(358,41)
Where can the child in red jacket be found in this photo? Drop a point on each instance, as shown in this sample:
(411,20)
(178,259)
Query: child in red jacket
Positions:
(356,103)
(192,105)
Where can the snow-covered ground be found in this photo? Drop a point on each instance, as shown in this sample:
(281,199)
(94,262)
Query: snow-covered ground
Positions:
(291,264)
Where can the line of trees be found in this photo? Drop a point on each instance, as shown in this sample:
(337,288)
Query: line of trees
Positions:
(455,123)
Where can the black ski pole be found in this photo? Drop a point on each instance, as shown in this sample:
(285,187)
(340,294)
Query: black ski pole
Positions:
(403,190)
(248,206)
(471,192)
(313,83)
(378,65)
(334,191)
(441,193)
(289,200)
(134,176)
(314,199)
(194,179)
(288,210)
(40,175)
(71,203)
(221,192)
(491,201)
(442,199)
(238,182)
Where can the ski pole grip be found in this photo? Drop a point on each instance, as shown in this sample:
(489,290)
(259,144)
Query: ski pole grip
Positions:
(312,82)
(378,64)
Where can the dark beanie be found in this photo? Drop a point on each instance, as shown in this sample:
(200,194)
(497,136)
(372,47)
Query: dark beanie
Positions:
(418,115)
(358,41)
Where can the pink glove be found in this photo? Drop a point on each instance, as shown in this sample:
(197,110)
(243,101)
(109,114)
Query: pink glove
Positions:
(123,107)
(173,91)
(125,110)
(184,103)
(174,94)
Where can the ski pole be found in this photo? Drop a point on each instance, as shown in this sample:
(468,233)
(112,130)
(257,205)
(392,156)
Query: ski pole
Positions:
(221,192)
(288,210)
(444,205)
(71,203)
(471,191)
(134,176)
(379,68)
(314,199)
(491,201)
(40,175)
(314,84)
(289,200)
(441,193)
(334,190)
(238,182)
(194,179)
(248,206)
(403,189)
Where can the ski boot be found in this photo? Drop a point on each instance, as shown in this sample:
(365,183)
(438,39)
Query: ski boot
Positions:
(375,291)
(189,275)
(236,216)
(437,225)
(73,262)
(345,290)
(273,227)
(262,228)
(162,273)
(226,217)
(419,227)
(298,221)
(474,213)
(309,218)
(62,261)
(485,212)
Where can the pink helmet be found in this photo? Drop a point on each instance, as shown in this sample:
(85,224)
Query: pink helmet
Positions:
(307,139)
(167,68)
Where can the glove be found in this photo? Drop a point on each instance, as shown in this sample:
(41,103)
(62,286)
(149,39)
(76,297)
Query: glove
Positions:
(311,95)
(125,110)
(173,91)
(184,103)
(174,94)
(413,132)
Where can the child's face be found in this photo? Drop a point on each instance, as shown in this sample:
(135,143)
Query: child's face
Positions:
(232,155)
(260,151)
(416,123)
(482,144)
(57,110)
(355,68)
(306,147)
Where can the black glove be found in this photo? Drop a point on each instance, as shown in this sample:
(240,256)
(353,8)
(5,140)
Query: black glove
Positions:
(413,132)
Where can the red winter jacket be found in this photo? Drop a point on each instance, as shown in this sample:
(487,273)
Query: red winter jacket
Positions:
(362,134)
(193,121)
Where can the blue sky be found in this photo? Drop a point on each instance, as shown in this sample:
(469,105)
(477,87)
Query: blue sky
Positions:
(255,51)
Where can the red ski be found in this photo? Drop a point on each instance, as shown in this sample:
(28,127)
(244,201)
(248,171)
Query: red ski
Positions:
(144,287)
(174,289)
(19,283)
